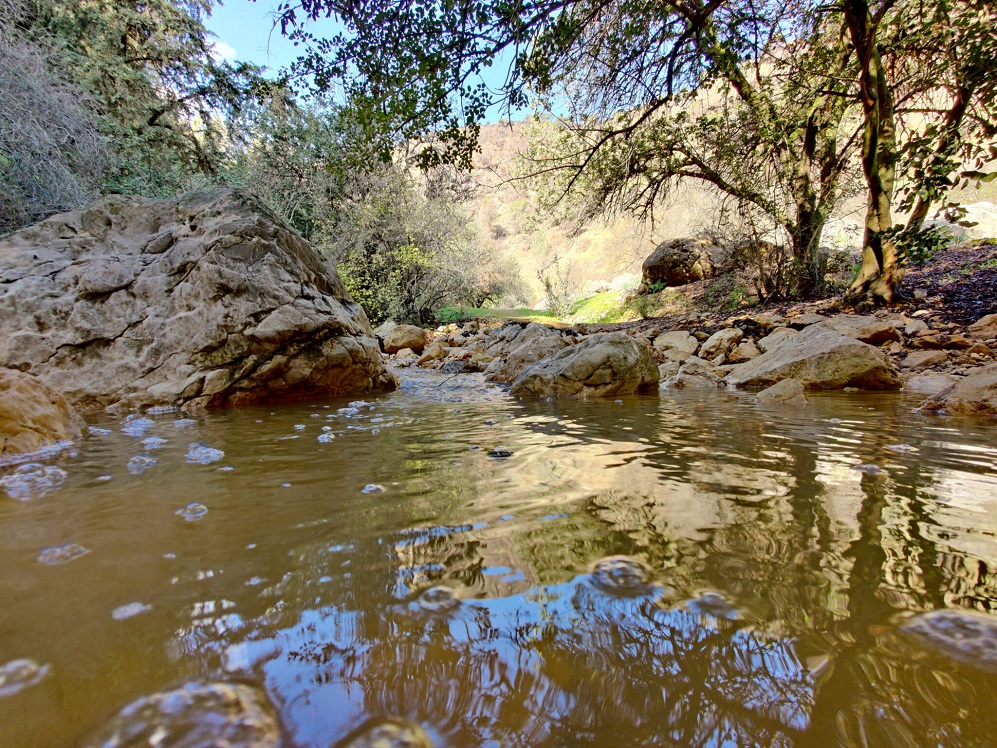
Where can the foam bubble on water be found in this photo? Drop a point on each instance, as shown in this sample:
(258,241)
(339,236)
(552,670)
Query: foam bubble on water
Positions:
(375,432)
(348,412)
(184,423)
(161,410)
(61,554)
(129,611)
(299,427)
(326,438)
(138,463)
(32,480)
(226,469)
(137,426)
(438,599)
(868,468)
(327,428)
(17,675)
(372,488)
(94,431)
(192,512)
(902,448)
(153,442)
(104,478)
(361,404)
(200,454)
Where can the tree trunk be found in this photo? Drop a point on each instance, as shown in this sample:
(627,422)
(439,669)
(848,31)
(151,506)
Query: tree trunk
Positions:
(882,267)
(808,265)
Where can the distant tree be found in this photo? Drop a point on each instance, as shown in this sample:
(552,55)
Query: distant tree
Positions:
(416,66)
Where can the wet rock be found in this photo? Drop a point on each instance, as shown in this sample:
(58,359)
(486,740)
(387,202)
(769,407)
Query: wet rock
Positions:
(975,394)
(437,599)
(917,360)
(203,300)
(677,345)
(622,575)
(500,452)
(32,480)
(432,353)
(390,734)
(966,635)
(33,416)
(601,365)
(668,370)
(196,715)
(677,262)
(200,454)
(819,358)
(17,675)
(786,392)
(192,512)
(695,373)
(869,330)
(720,343)
(61,554)
(406,336)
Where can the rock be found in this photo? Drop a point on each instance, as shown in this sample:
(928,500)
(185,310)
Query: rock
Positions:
(677,262)
(867,329)
(917,360)
(677,345)
(406,336)
(384,329)
(941,341)
(985,328)
(198,714)
(601,365)
(895,348)
(721,343)
(203,300)
(976,394)
(509,368)
(930,383)
(819,358)
(33,415)
(743,352)
(433,352)
(978,349)
(695,373)
(668,369)
(788,392)
(775,338)
(393,733)
(805,320)
(916,327)
(966,635)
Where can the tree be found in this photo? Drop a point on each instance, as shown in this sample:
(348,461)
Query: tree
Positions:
(418,65)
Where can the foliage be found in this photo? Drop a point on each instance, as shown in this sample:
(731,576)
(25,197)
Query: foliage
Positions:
(51,153)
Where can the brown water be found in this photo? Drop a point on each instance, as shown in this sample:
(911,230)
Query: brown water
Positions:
(764,602)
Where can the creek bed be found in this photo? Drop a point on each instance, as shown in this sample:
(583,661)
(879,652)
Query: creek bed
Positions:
(474,569)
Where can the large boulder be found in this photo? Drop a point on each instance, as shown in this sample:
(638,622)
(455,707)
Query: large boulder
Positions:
(975,394)
(720,343)
(33,415)
(204,300)
(677,262)
(819,358)
(868,329)
(676,345)
(602,365)
(985,328)
(406,336)
(534,343)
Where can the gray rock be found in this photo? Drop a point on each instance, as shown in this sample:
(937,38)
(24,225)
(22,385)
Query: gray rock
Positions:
(786,392)
(721,343)
(819,358)
(976,394)
(677,262)
(599,366)
(204,300)
(406,336)
(775,338)
(677,345)
(869,330)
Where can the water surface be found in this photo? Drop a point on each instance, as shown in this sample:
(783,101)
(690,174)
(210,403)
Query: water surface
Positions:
(387,560)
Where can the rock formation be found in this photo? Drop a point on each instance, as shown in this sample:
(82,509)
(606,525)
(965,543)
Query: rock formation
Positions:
(204,300)
(33,415)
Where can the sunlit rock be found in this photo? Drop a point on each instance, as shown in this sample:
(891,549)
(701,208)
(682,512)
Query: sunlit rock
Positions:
(202,300)
(786,392)
(976,394)
(406,336)
(197,715)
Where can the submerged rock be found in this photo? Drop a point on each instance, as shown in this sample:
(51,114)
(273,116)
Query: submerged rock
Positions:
(393,733)
(621,575)
(602,365)
(967,635)
(195,715)
(437,599)
(819,358)
(203,300)
(33,415)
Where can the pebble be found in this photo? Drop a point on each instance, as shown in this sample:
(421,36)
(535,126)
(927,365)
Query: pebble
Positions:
(500,452)
(129,610)
(32,480)
(138,463)
(200,454)
(61,554)
(372,488)
(192,512)
(17,675)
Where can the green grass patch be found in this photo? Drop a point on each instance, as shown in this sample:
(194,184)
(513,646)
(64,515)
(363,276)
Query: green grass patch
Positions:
(449,314)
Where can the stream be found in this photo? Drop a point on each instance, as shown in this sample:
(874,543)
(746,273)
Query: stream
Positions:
(472,569)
